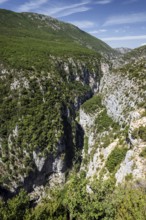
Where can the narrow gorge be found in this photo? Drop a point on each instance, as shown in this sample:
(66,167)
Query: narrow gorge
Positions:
(72,123)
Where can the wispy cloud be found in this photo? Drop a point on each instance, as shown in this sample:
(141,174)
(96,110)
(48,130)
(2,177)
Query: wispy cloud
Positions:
(125,19)
(98,31)
(83,24)
(3,1)
(72,11)
(59,9)
(64,10)
(104,2)
(31,5)
(139,37)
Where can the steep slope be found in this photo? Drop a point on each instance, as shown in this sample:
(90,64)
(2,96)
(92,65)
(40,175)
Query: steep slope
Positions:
(44,78)
(48,69)
(36,36)
(38,118)
(136,54)
(114,122)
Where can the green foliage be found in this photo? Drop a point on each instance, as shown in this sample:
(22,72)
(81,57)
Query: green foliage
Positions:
(129,177)
(103,202)
(86,144)
(133,69)
(75,203)
(27,40)
(130,204)
(49,208)
(35,88)
(140,51)
(103,122)
(143,153)
(115,158)
(35,112)
(16,208)
(140,133)
(106,140)
(92,105)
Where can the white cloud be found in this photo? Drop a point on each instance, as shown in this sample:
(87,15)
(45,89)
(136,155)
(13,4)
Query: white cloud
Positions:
(31,5)
(144,44)
(126,19)
(69,12)
(64,10)
(61,10)
(104,2)
(139,37)
(3,1)
(98,31)
(83,24)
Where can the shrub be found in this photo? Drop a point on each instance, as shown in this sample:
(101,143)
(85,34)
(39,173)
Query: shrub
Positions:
(92,105)
(86,144)
(15,208)
(140,133)
(143,153)
(130,203)
(103,122)
(115,158)
(128,177)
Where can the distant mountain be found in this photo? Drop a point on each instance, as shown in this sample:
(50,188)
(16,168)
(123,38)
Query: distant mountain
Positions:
(123,50)
(137,53)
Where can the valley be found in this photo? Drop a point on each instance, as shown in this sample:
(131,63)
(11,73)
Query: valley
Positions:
(72,123)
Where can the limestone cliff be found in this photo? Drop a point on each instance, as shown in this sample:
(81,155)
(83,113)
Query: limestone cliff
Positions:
(116,146)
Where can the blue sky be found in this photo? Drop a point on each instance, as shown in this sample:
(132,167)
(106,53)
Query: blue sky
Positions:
(120,23)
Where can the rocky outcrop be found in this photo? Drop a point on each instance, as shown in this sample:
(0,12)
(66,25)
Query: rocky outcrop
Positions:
(120,94)
(122,97)
(123,50)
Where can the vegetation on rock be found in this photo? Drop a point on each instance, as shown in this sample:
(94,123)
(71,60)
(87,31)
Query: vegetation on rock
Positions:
(47,71)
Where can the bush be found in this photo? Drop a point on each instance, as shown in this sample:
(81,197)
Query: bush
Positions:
(86,144)
(143,153)
(115,158)
(130,203)
(140,133)
(92,105)
(103,122)
(16,208)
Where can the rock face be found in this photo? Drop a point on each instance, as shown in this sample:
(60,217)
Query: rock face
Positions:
(120,94)
(40,163)
(122,97)
(123,50)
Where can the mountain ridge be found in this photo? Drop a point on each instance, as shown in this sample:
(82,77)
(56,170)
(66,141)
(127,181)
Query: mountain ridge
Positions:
(54,36)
